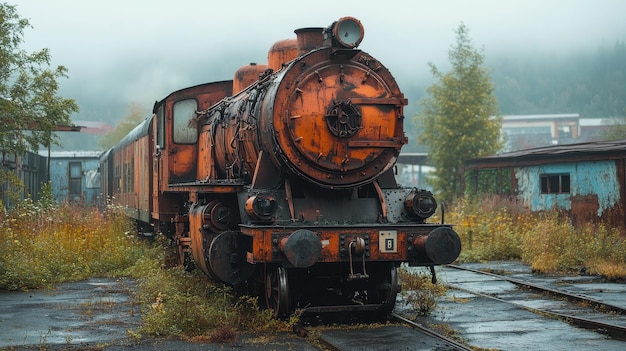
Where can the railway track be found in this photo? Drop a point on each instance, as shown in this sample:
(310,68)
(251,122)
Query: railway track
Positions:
(404,334)
(580,310)
(456,345)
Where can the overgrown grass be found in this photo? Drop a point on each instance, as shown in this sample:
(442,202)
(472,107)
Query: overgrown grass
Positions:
(42,244)
(45,245)
(499,229)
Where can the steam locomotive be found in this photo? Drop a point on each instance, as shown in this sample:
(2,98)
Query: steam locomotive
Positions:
(282,180)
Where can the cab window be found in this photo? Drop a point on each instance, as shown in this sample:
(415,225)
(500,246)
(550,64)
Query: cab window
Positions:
(185,131)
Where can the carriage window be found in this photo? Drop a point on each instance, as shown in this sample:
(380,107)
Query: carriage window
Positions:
(129,178)
(185,131)
(555,183)
(117,179)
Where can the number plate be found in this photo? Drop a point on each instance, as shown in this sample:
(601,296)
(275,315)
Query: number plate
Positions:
(388,241)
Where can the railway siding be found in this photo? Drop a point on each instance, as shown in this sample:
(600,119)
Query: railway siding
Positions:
(493,313)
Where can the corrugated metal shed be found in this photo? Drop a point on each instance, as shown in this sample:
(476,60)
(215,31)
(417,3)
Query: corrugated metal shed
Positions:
(74,175)
(588,180)
(599,150)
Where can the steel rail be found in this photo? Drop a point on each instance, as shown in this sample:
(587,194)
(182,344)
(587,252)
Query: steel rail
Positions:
(453,343)
(328,345)
(304,333)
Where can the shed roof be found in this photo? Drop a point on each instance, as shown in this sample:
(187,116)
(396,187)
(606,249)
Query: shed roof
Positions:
(590,151)
(415,158)
(72,154)
(545,117)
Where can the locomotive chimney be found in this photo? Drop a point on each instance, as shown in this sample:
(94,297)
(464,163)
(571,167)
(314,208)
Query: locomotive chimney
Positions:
(309,39)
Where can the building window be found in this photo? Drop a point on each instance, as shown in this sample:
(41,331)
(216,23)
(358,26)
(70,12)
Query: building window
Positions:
(75,178)
(555,184)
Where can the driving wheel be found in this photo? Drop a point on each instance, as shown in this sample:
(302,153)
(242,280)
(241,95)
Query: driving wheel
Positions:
(277,291)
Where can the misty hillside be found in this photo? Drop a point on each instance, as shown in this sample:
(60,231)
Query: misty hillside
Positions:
(590,83)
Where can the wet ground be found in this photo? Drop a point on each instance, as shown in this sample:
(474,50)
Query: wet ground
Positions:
(94,311)
(100,314)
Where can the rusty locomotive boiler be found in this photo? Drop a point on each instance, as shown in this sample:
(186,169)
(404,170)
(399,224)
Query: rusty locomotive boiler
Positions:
(282,180)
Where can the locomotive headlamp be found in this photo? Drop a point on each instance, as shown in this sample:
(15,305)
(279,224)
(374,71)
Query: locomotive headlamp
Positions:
(420,203)
(348,32)
(261,207)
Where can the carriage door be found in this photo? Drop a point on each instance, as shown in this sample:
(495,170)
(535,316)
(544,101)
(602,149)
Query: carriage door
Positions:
(159,140)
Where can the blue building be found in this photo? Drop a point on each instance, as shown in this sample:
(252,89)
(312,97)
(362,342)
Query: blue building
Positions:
(587,180)
(74,176)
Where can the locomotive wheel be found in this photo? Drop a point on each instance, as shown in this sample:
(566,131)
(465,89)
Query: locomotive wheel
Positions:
(384,288)
(226,258)
(389,301)
(277,291)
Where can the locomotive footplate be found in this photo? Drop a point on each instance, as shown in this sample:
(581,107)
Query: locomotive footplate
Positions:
(302,247)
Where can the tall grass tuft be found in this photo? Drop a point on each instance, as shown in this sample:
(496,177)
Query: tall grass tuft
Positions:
(419,292)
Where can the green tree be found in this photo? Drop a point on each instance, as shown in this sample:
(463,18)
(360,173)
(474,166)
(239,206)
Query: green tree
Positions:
(135,116)
(30,108)
(459,116)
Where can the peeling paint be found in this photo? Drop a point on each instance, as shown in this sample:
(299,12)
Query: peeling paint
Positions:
(594,178)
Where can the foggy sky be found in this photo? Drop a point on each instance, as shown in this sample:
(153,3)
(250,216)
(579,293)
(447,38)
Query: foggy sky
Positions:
(141,50)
